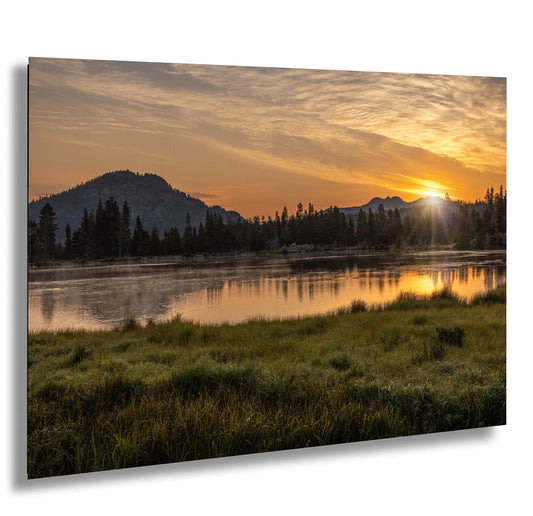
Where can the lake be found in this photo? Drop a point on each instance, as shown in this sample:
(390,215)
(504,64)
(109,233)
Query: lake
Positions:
(234,289)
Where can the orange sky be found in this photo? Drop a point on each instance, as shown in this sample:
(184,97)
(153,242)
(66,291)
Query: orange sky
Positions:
(256,139)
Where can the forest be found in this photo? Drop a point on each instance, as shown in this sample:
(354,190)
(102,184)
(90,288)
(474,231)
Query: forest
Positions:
(108,232)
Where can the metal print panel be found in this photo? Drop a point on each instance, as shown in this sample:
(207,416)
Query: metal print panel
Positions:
(233,260)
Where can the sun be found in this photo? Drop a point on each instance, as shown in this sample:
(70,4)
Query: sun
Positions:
(431,193)
(425,187)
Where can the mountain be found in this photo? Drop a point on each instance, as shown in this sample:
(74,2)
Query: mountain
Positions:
(149,196)
(391,203)
(431,200)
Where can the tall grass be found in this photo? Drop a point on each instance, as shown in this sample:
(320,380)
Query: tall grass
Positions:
(179,391)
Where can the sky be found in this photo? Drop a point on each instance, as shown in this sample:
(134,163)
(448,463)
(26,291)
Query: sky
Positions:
(257,139)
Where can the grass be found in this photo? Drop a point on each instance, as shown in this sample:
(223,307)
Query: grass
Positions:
(179,391)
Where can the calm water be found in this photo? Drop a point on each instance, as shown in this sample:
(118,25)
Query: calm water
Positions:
(215,291)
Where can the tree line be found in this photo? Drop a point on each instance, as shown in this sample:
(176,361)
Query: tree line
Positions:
(107,231)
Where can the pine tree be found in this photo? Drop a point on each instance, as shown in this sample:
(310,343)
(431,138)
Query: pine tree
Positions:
(501,223)
(361,227)
(125,235)
(100,237)
(488,217)
(140,239)
(396,231)
(113,229)
(154,244)
(33,239)
(187,240)
(47,231)
(371,227)
(68,242)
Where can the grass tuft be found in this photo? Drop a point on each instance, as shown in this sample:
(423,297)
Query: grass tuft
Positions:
(391,340)
(340,362)
(419,320)
(357,306)
(436,350)
(451,336)
(496,296)
(129,325)
(78,355)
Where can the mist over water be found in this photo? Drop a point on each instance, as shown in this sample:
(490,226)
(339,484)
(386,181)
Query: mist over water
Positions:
(233,289)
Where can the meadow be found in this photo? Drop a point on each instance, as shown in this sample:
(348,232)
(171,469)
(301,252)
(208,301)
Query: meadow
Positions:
(178,391)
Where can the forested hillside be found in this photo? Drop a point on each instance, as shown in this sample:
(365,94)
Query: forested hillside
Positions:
(149,197)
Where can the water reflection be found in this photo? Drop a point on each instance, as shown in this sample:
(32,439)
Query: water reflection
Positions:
(214,295)
(48,304)
(235,290)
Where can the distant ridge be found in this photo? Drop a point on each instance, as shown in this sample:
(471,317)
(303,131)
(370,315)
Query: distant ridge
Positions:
(149,196)
(391,203)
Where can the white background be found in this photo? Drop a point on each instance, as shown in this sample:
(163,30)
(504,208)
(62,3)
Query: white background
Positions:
(486,471)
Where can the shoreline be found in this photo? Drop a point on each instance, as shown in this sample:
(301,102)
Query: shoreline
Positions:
(297,252)
(406,301)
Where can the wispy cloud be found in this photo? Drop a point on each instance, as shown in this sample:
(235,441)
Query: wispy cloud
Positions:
(206,126)
(202,195)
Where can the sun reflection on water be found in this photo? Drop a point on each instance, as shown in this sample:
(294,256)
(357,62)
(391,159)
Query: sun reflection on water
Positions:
(234,294)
